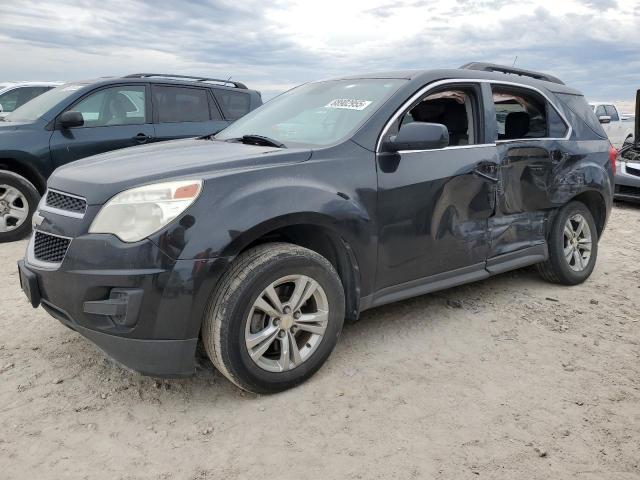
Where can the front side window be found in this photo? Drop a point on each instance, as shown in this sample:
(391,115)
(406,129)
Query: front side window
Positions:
(180,104)
(113,106)
(315,114)
(452,108)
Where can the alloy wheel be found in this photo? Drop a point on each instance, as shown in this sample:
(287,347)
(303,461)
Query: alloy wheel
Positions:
(577,242)
(286,323)
(14,208)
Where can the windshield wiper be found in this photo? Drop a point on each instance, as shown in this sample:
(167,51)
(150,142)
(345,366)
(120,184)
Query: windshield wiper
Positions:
(261,140)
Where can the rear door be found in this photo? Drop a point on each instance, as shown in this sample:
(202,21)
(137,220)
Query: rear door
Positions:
(114,117)
(532,146)
(182,111)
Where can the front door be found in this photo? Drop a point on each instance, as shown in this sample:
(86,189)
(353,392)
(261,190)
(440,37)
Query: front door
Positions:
(434,205)
(114,118)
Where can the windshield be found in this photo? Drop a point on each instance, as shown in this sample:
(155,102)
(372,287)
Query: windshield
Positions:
(34,109)
(315,114)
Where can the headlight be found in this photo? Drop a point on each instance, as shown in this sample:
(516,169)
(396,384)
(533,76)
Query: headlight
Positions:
(137,213)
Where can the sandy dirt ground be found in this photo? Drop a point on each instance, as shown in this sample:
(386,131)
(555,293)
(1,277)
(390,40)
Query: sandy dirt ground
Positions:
(510,378)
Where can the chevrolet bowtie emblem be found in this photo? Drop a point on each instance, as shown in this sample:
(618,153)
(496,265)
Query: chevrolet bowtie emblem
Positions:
(37,219)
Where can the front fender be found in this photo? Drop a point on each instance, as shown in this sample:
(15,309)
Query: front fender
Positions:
(238,208)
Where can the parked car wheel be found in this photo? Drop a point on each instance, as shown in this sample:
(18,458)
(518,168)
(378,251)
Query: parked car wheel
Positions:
(573,246)
(18,201)
(274,318)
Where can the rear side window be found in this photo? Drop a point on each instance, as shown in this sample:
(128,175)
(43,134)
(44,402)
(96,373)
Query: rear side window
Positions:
(179,104)
(524,114)
(234,104)
(600,111)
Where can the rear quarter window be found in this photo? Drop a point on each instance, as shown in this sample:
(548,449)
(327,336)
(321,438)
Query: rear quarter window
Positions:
(579,106)
(234,104)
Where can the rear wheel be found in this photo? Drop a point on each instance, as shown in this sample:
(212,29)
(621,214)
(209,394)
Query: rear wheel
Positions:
(18,201)
(573,246)
(274,318)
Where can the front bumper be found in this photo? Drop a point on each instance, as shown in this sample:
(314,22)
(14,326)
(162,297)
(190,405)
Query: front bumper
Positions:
(627,181)
(140,306)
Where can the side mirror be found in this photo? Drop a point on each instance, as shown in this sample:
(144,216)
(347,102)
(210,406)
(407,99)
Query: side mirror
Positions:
(604,119)
(418,136)
(71,119)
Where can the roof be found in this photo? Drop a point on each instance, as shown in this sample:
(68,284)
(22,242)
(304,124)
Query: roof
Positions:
(165,79)
(466,73)
(29,84)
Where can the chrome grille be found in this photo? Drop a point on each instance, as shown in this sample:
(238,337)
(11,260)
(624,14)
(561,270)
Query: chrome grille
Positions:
(49,248)
(69,203)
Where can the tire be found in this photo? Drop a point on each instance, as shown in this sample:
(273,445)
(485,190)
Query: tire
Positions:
(11,227)
(558,269)
(231,316)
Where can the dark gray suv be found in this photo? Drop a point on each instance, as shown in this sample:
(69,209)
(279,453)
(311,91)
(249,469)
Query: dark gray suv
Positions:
(80,119)
(335,197)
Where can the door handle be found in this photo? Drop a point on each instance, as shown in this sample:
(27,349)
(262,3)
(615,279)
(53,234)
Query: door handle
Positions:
(141,138)
(486,170)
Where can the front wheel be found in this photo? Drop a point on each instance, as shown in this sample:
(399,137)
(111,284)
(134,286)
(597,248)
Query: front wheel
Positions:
(18,201)
(573,246)
(274,317)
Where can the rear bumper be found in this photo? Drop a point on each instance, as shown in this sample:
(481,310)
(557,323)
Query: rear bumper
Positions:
(159,301)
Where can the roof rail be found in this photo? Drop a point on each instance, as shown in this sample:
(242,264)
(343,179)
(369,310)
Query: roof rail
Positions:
(187,77)
(493,67)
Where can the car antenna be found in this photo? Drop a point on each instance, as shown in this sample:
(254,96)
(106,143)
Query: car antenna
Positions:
(514,61)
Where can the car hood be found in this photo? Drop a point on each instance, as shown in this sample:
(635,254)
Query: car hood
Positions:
(100,177)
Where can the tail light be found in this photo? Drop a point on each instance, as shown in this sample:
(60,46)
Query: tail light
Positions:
(613,155)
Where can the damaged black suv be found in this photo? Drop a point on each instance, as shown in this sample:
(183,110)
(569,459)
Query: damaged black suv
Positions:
(333,198)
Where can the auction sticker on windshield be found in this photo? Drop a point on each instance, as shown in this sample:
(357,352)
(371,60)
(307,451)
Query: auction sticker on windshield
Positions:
(348,103)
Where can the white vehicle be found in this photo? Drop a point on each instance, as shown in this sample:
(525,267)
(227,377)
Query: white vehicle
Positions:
(16,94)
(619,130)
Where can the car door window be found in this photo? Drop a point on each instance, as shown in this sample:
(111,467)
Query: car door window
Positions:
(234,104)
(180,104)
(612,112)
(19,96)
(455,109)
(9,100)
(522,114)
(600,111)
(123,105)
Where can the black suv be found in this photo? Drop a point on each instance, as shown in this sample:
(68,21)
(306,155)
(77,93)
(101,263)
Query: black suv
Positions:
(80,119)
(333,198)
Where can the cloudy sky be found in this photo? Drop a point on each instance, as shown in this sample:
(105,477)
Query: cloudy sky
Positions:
(272,45)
